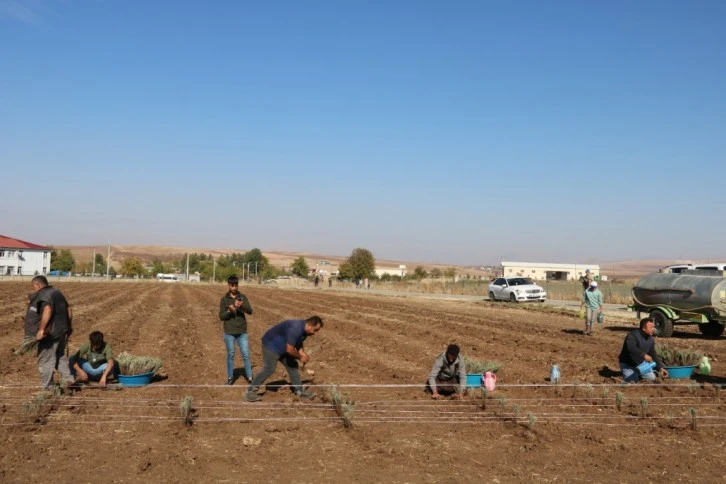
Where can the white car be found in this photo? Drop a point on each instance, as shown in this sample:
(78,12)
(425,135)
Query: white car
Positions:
(516,289)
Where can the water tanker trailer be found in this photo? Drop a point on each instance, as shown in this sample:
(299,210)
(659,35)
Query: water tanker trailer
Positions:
(682,299)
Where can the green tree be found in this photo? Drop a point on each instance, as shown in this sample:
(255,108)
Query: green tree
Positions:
(419,273)
(63,261)
(132,266)
(345,271)
(435,273)
(362,263)
(100,264)
(450,272)
(385,277)
(300,267)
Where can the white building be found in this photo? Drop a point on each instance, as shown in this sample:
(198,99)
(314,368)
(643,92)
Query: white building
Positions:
(549,271)
(399,271)
(20,258)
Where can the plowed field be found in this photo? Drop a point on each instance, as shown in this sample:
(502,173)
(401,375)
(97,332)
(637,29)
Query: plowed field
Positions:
(379,351)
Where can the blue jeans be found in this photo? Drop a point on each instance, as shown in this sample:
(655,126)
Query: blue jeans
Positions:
(94,374)
(631,373)
(244,349)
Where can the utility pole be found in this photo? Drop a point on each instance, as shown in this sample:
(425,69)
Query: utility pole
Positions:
(214,269)
(255,269)
(93,271)
(108,260)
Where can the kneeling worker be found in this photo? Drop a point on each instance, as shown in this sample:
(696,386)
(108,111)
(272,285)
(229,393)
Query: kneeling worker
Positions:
(448,375)
(284,343)
(639,347)
(94,360)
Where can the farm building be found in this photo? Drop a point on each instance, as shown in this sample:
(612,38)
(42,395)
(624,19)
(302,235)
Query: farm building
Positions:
(20,258)
(394,271)
(548,271)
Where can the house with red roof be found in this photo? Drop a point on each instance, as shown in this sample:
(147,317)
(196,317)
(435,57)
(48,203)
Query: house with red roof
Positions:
(21,258)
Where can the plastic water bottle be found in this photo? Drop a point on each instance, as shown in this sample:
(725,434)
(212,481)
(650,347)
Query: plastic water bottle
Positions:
(490,381)
(555,374)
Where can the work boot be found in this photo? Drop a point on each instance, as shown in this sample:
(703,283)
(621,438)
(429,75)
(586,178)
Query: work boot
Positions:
(230,381)
(253,397)
(304,395)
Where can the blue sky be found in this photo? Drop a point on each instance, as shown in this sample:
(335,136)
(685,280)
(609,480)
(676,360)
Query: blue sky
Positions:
(452,132)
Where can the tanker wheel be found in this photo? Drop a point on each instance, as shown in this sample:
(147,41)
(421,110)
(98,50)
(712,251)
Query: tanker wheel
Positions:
(663,324)
(712,329)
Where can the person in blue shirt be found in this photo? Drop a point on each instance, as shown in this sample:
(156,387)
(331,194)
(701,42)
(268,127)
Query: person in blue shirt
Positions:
(284,343)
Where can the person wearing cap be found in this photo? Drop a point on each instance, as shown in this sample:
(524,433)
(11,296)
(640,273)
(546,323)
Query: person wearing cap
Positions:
(448,375)
(586,279)
(592,302)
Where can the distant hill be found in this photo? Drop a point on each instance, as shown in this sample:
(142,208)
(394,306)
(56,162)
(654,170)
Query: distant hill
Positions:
(628,269)
(147,253)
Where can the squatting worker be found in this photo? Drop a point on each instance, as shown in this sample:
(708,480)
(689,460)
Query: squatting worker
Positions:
(448,375)
(639,347)
(284,343)
(232,309)
(592,302)
(94,360)
(49,319)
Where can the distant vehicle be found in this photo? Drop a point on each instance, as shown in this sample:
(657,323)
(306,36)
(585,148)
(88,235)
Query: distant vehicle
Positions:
(59,273)
(167,277)
(677,269)
(711,266)
(516,289)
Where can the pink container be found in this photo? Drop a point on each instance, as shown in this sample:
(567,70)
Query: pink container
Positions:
(490,381)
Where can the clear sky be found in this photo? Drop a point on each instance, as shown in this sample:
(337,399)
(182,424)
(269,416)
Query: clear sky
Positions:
(457,132)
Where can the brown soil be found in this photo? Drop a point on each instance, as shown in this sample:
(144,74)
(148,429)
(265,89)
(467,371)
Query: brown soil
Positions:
(398,434)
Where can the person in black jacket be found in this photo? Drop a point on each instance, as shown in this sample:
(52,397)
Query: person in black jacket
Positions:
(232,309)
(639,347)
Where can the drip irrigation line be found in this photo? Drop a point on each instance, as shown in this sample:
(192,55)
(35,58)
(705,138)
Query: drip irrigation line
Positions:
(390,385)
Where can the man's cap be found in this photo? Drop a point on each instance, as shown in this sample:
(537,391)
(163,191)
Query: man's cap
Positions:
(587,270)
(593,284)
(452,350)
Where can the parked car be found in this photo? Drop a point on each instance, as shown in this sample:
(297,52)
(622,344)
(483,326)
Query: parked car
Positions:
(516,289)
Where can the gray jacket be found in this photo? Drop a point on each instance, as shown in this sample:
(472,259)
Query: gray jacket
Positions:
(443,370)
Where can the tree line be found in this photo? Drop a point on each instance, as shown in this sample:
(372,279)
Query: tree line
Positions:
(361,264)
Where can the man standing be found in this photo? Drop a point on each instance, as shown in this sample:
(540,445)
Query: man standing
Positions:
(586,280)
(284,343)
(639,347)
(232,309)
(49,319)
(448,375)
(592,302)
(94,360)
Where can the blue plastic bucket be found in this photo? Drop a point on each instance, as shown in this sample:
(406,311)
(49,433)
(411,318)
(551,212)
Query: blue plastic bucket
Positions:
(135,380)
(680,372)
(473,380)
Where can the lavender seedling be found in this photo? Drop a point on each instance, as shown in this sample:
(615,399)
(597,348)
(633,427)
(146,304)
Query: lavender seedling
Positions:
(619,397)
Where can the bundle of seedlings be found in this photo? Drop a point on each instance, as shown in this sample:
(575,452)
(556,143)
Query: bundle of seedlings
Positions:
(476,367)
(674,357)
(344,407)
(26,346)
(187,412)
(130,365)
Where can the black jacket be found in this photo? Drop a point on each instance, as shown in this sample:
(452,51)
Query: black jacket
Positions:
(636,345)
